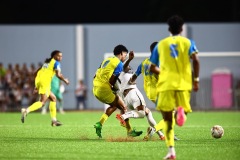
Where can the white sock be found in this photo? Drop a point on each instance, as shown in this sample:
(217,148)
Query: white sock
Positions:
(134,114)
(160,133)
(171,150)
(151,120)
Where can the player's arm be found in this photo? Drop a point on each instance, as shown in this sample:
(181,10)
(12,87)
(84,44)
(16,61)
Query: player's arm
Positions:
(61,77)
(196,66)
(132,80)
(155,69)
(154,59)
(116,74)
(126,64)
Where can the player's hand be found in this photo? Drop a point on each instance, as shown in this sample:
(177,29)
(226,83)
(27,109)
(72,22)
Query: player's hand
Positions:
(195,86)
(130,82)
(131,55)
(66,81)
(35,91)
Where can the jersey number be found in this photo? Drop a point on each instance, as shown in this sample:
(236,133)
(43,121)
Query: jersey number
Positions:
(105,63)
(174,51)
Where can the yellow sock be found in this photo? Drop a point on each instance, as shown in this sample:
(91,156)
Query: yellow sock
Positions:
(103,118)
(128,126)
(52,109)
(160,125)
(169,133)
(35,106)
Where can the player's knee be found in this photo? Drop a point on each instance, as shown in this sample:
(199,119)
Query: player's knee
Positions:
(141,113)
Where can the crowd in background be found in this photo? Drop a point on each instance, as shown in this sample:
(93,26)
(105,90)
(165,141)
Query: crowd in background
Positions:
(16,86)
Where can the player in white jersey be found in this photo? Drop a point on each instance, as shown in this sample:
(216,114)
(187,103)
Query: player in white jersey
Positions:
(133,98)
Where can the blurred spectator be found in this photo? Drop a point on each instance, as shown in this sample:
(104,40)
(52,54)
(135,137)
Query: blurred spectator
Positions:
(3,102)
(2,70)
(238,94)
(16,86)
(81,95)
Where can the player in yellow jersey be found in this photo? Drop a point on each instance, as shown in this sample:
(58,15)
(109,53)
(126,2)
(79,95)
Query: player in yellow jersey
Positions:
(171,60)
(149,79)
(149,84)
(43,78)
(103,83)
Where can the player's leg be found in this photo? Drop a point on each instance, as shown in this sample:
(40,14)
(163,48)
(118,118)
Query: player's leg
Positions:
(183,107)
(169,132)
(45,106)
(35,106)
(53,110)
(152,123)
(134,101)
(59,97)
(166,102)
(105,95)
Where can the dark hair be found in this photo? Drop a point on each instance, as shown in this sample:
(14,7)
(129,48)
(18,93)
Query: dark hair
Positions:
(119,49)
(52,55)
(175,24)
(152,46)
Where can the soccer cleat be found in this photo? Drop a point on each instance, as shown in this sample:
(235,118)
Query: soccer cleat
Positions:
(24,114)
(122,122)
(170,157)
(56,123)
(150,132)
(134,133)
(180,116)
(162,137)
(98,127)
(176,139)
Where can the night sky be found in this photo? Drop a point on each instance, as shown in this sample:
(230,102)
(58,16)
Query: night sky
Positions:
(116,11)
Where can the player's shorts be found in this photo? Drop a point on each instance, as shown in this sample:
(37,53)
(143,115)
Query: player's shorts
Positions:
(43,87)
(169,100)
(57,93)
(134,98)
(151,93)
(104,94)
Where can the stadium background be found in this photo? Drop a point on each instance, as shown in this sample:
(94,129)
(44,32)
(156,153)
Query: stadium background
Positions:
(29,32)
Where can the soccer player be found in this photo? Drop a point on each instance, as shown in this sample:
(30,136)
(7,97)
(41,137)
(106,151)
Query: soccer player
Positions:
(43,78)
(150,87)
(133,98)
(103,82)
(56,90)
(171,60)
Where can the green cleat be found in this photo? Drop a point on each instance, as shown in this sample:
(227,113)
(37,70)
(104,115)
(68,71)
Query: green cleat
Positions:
(134,133)
(98,127)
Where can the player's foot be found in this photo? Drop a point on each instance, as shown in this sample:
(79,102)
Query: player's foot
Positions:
(122,122)
(98,127)
(134,133)
(56,123)
(44,111)
(180,116)
(24,114)
(62,111)
(150,132)
(176,138)
(170,157)
(162,137)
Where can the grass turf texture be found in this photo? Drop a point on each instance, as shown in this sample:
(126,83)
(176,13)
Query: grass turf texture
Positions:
(76,139)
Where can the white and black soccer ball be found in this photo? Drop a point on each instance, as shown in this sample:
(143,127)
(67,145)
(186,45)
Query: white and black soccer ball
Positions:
(217,131)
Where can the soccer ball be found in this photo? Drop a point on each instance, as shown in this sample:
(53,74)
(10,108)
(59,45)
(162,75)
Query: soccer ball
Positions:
(217,131)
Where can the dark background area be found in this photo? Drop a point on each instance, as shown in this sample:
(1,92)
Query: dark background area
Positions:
(117,11)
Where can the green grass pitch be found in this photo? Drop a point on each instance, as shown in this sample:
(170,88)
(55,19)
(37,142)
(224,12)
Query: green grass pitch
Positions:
(76,139)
